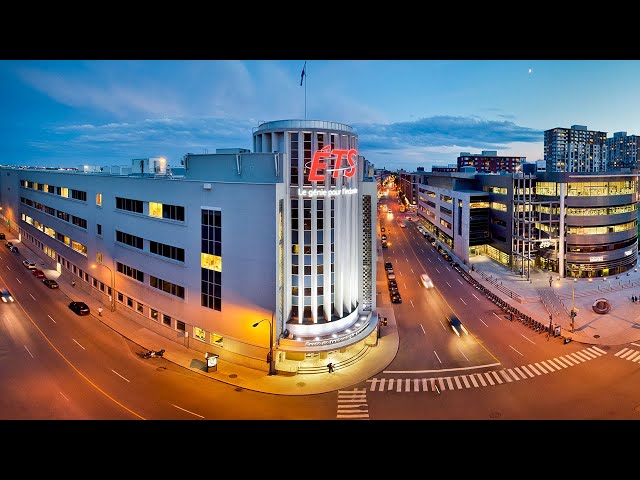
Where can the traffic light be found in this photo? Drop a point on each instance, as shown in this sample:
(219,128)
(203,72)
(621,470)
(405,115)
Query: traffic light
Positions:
(573,314)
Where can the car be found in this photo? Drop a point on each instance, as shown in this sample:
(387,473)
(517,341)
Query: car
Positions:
(388,266)
(384,245)
(9,245)
(457,326)
(382,229)
(384,237)
(391,275)
(392,284)
(51,283)
(393,289)
(396,298)
(37,273)
(6,295)
(402,225)
(2,236)
(426,281)
(80,308)
(29,265)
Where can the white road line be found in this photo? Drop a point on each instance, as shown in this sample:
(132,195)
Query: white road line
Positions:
(473,380)
(32,296)
(64,396)
(441,370)
(120,376)
(450,270)
(625,354)
(576,359)
(475,296)
(449,383)
(437,356)
(594,351)
(463,301)
(437,270)
(78,343)
(416,384)
(541,368)
(184,410)
(484,384)
(496,315)
(399,385)
(569,360)
(484,323)
(29,351)
(51,319)
(634,354)
(623,350)
(429,260)
(599,350)
(400,273)
(635,344)
(405,285)
(549,367)
(581,355)
(589,354)
(460,281)
(636,359)
(534,369)
(513,373)
(8,267)
(465,381)
(447,283)
(505,376)
(423,329)
(19,281)
(465,357)
(526,338)
(527,371)
(516,351)
(425,385)
(445,328)
(412,271)
(498,379)
(522,374)
(441,382)
(562,363)
(406,257)
(552,363)
(411,301)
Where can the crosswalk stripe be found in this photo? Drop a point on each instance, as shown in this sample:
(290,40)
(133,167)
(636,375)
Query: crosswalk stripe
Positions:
(473,380)
(433,384)
(416,384)
(466,382)
(552,363)
(551,369)
(569,360)
(600,350)
(636,359)
(520,372)
(534,369)
(593,351)
(581,355)
(588,353)
(623,350)
(541,368)
(562,364)
(513,374)
(399,385)
(575,355)
(489,379)
(389,384)
(459,385)
(424,385)
(626,354)
(407,385)
(527,371)
(498,379)
(449,383)
(441,382)
(352,400)
(366,415)
(631,356)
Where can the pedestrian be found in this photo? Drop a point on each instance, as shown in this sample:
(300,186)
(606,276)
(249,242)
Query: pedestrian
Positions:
(330,367)
(73,284)
(99,311)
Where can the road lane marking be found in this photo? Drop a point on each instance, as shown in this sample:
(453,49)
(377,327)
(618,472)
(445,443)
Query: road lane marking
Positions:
(449,383)
(549,367)
(78,343)
(412,271)
(51,319)
(579,355)
(460,281)
(475,296)
(184,410)
(635,344)
(481,378)
(527,371)
(437,356)
(465,357)
(120,376)
(516,351)
(473,380)
(623,350)
(593,351)
(634,354)
(8,267)
(423,329)
(497,377)
(625,354)
(63,396)
(484,323)
(534,369)
(447,283)
(437,270)
(528,339)
(32,296)
(405,285)
(496,316)
(27,349)
(400,272)
(445,328)
(589,354)
(441,370)
(489,379)
(19,281)
(599,350)
(463,301)
(569,360)
(541,368)
(466,382)
(507,377)
(429,260)
(411,301)
(562,363)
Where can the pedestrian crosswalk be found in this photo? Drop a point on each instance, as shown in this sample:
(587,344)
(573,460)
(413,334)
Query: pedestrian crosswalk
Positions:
(490,378)
(629,354)
(352,404)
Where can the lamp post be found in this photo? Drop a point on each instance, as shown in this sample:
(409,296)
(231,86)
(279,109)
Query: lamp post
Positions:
(573,304)
(272,370)
(113,286)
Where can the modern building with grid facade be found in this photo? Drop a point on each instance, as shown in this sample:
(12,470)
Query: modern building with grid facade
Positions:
(575,149)
(285,234)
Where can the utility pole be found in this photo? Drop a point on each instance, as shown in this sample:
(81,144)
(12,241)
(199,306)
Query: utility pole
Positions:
(550,326)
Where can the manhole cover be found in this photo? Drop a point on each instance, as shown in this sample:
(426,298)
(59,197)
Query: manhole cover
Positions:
(605,347)
(300,384)
(495,415)
(596,336)
(233,375)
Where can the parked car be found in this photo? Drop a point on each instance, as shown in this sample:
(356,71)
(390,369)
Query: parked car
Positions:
(382,229)
(384,237)
(396,298)
(2,236)
(384,245)
(392,284)
(37,273)
(80,308)
(9,245)
(388,266)
(6,295)
(29,265)
(391,275)
(51,283)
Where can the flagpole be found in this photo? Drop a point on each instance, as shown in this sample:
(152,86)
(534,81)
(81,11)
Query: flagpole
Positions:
(305,90)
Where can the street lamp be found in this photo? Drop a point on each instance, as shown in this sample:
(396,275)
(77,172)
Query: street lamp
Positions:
(272,370)
(113,285)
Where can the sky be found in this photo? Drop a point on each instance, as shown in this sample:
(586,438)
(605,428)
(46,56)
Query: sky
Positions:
(406,113)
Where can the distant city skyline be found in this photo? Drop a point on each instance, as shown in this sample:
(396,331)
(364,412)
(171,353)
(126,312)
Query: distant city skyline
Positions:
(407,114)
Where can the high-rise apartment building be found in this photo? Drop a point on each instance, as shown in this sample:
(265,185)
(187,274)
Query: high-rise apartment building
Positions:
(575,149)
(489,161)
(622,151)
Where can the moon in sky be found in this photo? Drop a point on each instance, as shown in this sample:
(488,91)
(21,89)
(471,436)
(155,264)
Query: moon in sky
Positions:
(530,71)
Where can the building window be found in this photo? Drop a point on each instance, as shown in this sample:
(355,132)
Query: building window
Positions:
(211,260)
(129,239)
(120,297)
(130,272)
(140,308)
(99,199)
(169,251)
(136,206)
(129,302)
(216,339)
(153,314)
(99,257)
(199,333)
(166,286)
(166,319)
(180,326)
(99,229)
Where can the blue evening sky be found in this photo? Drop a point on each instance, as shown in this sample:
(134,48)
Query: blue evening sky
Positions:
(407,113)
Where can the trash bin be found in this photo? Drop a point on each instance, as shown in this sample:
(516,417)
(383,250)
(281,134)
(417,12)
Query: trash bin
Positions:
(212,362)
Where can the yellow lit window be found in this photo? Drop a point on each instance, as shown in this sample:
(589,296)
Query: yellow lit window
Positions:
(99,199)
(67,240)
(199,333)
(64,192)
(50,231)
(211,262)
(216,339)
(155,209)
(99,257)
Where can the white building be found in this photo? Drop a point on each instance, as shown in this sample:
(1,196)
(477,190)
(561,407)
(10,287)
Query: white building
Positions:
(286,234)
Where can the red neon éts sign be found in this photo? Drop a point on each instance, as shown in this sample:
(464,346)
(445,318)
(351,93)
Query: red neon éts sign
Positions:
(321,161)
